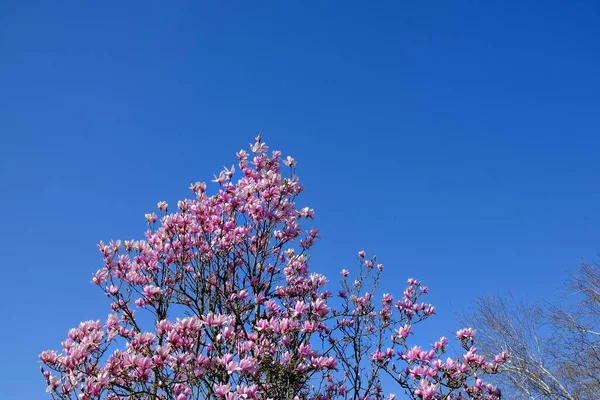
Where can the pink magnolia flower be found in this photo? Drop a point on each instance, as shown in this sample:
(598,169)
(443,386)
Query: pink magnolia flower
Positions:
(162,206)
(404,331)
(467,333)
(221,390)
(150,218)
(427,390)
(289,161)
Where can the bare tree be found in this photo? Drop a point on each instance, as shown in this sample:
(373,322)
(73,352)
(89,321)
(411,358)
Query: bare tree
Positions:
(576,339)
(554,347)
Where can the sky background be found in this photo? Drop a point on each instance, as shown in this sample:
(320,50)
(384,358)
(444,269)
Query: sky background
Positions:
(457,140)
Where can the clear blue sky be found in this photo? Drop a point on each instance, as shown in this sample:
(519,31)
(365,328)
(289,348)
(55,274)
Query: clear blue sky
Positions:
(458,140)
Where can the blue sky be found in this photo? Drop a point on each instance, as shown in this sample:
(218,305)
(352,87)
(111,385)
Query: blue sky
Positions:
(458,141)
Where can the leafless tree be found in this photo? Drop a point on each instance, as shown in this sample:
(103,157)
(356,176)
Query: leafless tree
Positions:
(554,347)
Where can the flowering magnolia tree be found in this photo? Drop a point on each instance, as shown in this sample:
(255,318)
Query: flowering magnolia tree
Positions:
(218,302)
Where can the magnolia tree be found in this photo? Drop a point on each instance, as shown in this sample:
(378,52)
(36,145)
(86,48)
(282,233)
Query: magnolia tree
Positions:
(218,302)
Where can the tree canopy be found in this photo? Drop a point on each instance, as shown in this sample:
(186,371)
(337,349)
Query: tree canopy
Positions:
(218,302)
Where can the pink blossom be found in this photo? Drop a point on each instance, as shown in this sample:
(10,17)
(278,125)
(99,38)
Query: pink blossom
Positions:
(467,333)
(222,390)
(289,161)
(427,390)
(404,331)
